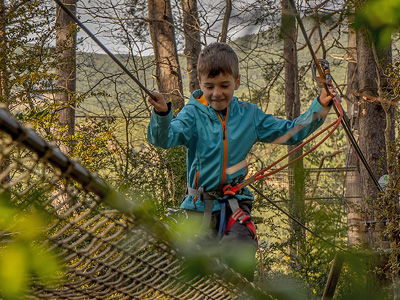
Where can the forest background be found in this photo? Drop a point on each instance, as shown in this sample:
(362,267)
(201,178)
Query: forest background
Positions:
(53,78)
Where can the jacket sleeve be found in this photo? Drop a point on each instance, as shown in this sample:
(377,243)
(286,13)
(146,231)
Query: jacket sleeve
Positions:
(279,131)
(165,131)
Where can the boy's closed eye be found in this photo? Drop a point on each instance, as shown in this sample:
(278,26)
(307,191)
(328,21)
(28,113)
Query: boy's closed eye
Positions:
(224,86)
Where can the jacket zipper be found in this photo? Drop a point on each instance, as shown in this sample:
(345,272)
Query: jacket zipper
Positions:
(225,139)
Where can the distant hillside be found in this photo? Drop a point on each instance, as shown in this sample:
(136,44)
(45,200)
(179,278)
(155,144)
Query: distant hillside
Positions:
(260,57)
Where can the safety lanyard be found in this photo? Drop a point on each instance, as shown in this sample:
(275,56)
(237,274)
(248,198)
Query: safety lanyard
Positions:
(232,190)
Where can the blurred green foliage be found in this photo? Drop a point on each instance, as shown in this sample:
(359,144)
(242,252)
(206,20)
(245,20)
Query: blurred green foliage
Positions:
(23,255)
(381,18)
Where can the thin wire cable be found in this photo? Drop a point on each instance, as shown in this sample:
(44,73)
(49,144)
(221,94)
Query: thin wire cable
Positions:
(297,221)
(104,48)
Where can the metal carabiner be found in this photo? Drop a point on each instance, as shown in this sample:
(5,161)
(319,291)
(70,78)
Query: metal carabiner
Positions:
(324,64)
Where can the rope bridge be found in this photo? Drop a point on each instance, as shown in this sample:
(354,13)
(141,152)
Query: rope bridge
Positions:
(109,248)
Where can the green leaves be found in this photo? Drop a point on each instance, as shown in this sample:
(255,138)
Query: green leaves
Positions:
(23,256)
(381,18)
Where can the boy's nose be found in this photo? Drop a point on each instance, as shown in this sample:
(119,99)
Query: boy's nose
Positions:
(217,93)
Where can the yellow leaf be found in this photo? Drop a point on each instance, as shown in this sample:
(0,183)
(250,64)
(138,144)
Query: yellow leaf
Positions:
(45,265)
(30,226)
(13,270)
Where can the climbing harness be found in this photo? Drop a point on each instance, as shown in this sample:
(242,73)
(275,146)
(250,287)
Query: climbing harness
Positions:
(226,199)
(237,213)
(228,191)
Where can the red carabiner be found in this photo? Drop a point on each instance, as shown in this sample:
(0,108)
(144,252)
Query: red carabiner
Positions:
(230,190)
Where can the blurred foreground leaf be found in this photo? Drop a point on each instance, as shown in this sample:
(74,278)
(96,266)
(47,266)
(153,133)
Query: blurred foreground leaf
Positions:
(381,18)
(22,254)
(13,270)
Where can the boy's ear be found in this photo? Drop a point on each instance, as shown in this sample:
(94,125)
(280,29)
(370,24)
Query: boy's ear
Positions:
(200,86)
(237,82)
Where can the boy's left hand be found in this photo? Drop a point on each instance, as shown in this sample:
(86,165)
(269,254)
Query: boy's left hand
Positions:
(324,98)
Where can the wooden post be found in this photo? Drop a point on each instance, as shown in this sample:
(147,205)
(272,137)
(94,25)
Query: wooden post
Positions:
(333,276)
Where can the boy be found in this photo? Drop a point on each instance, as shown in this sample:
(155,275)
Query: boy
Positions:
(218,131)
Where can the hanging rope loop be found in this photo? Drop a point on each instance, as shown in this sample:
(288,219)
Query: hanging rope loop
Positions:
(232,190)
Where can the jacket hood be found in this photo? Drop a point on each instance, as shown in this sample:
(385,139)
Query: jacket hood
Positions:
(197,99)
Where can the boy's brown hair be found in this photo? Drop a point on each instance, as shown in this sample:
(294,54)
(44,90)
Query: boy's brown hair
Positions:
(218,58)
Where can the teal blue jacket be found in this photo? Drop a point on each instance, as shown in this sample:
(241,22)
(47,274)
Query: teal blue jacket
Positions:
(217,147)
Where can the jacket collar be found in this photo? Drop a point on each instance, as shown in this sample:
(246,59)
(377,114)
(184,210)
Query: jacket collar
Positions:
(197,99)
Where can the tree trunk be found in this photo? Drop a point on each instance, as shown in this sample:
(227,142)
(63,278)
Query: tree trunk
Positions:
(372,134)
(4,85)
(66,68)
(4,90)
(292,108)
(191,27)
(225,23)
(355,207)
(66,83)
(168,74)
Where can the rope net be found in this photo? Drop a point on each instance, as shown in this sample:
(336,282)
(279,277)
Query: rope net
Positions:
(106,253)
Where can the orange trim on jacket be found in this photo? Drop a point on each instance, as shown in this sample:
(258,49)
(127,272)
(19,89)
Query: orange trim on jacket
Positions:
(225,137)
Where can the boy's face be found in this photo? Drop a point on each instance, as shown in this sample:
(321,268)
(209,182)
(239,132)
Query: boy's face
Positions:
(219,90)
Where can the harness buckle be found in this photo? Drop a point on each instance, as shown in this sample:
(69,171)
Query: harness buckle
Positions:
(214,194)
(244,219)
(201,193)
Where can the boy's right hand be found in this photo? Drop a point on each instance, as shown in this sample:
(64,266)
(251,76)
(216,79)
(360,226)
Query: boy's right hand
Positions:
(160,105)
